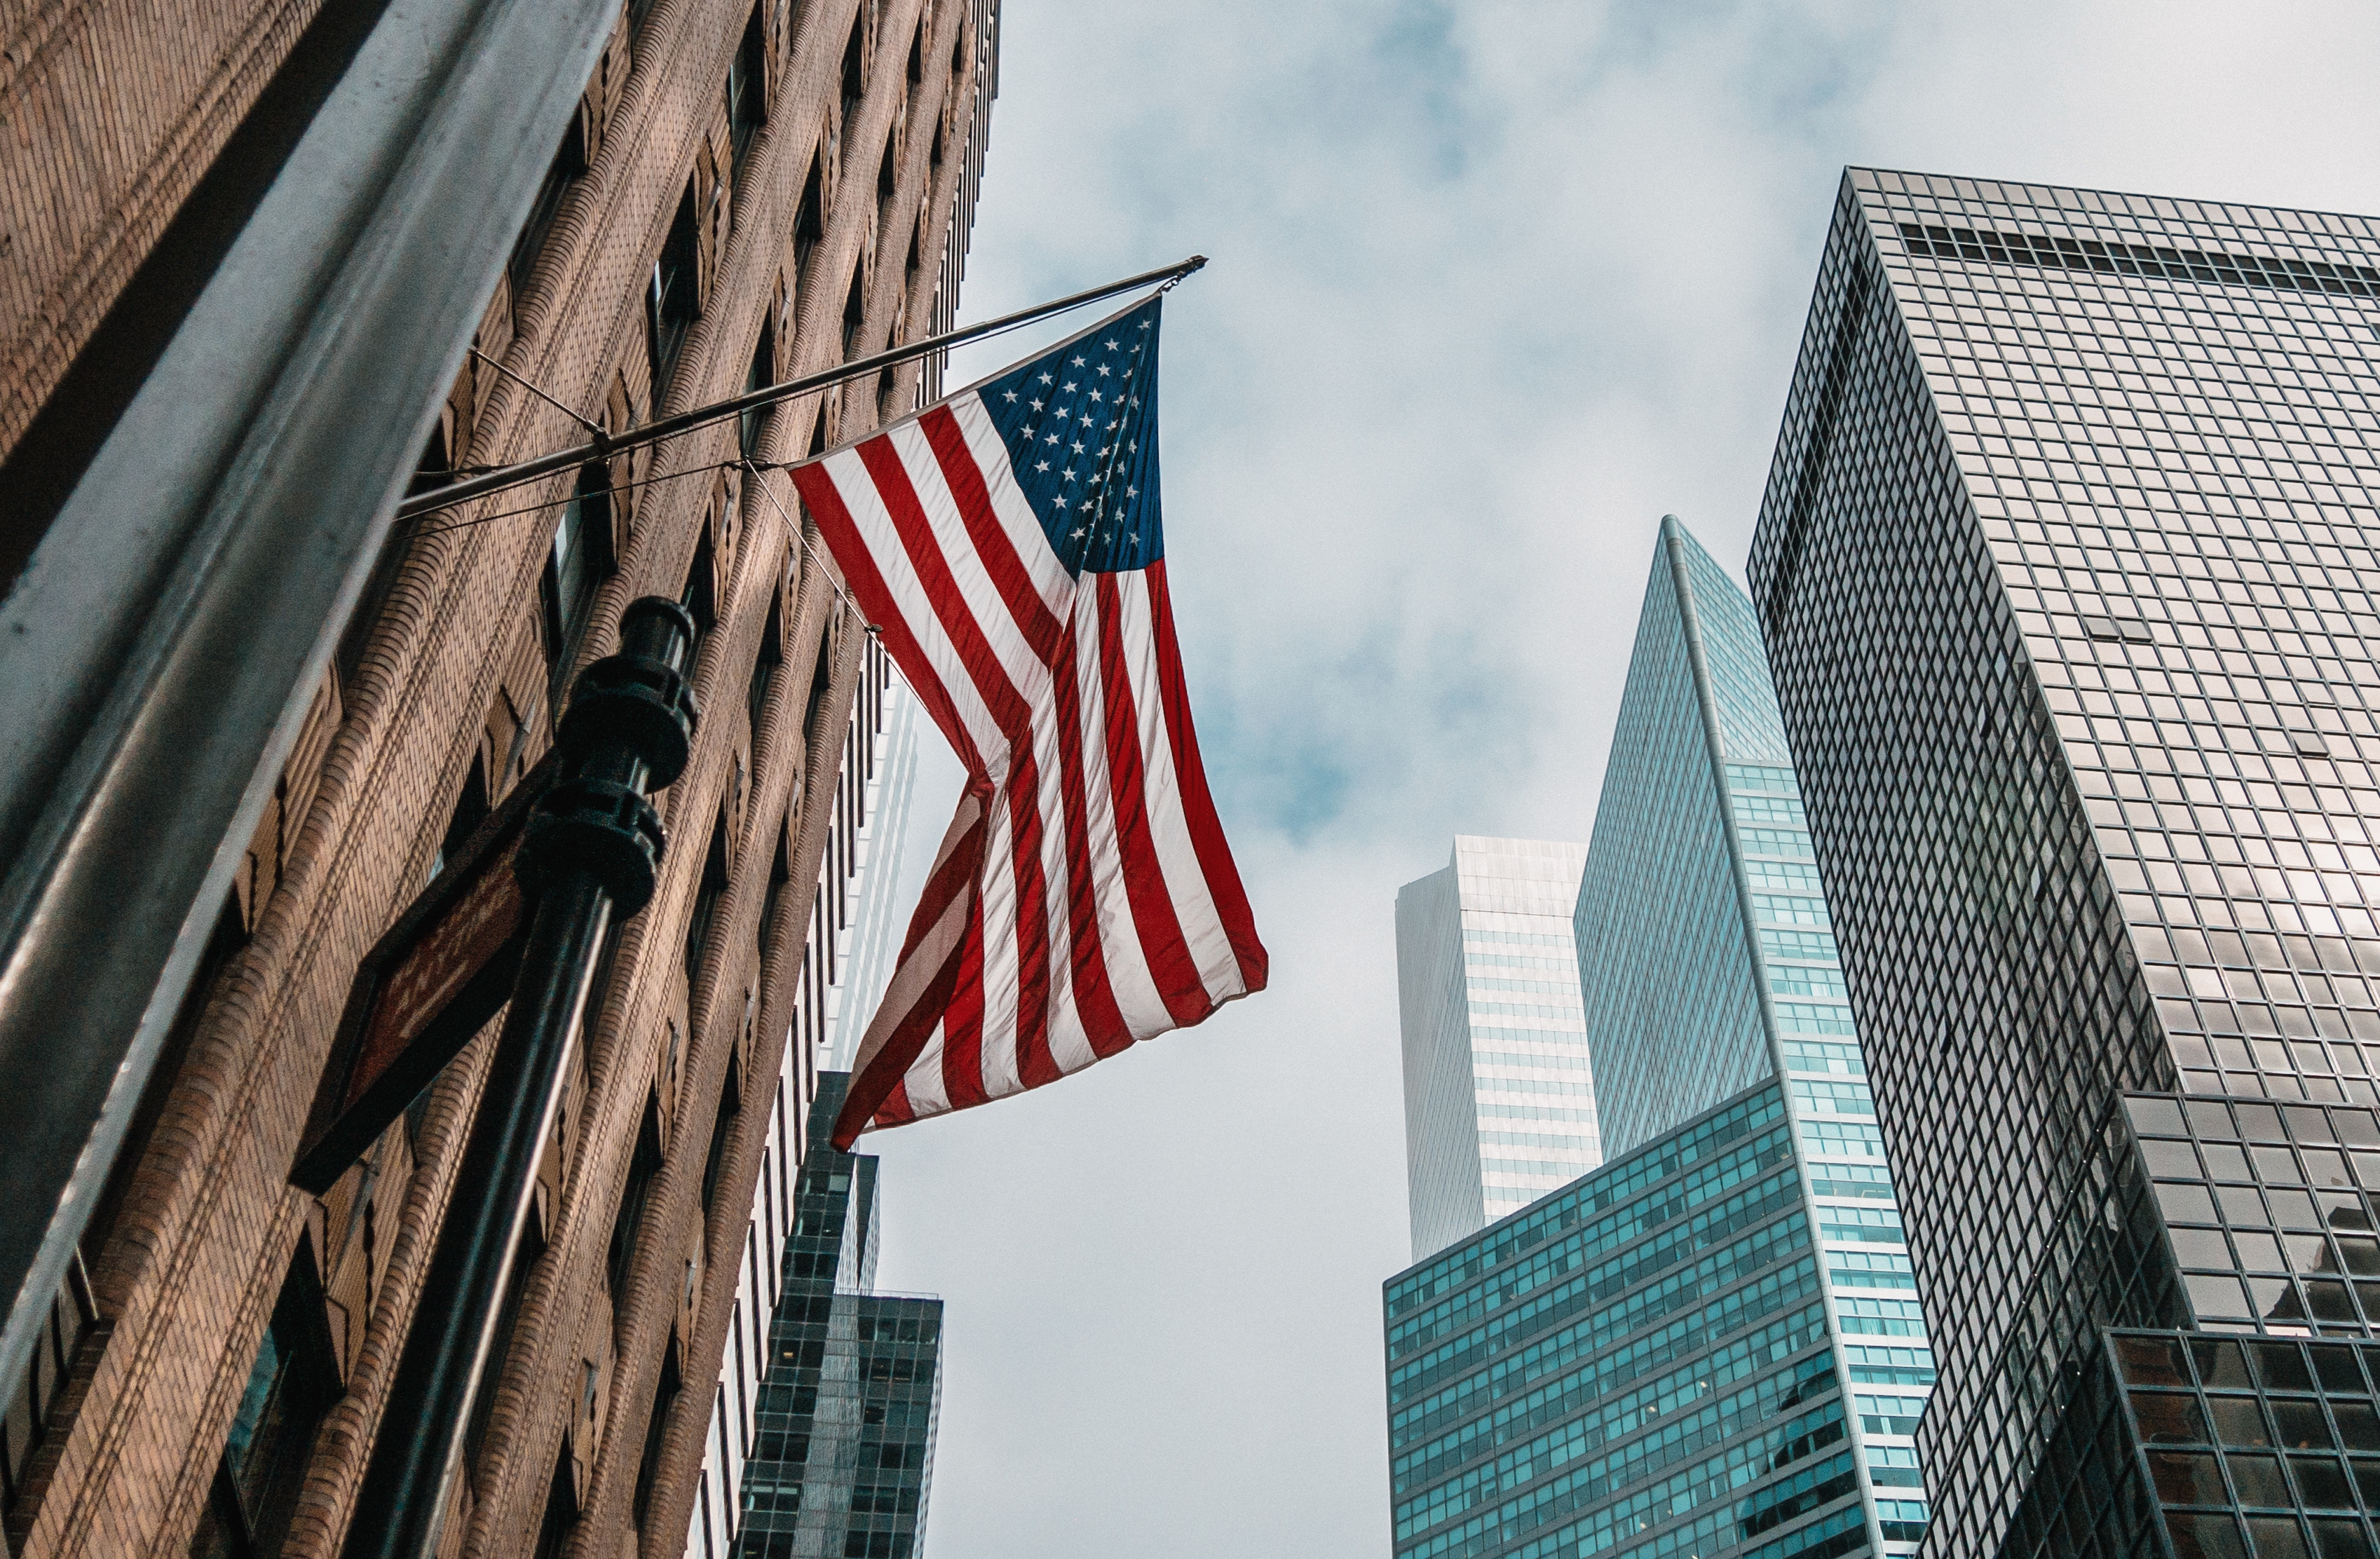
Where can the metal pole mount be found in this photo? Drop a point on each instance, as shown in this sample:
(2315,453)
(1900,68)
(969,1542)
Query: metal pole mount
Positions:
(591,850)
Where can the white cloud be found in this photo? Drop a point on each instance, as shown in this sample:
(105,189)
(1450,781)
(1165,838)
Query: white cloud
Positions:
(1495,285)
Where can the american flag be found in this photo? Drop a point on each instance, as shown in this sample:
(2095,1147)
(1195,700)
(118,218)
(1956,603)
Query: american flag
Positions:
(1006,542)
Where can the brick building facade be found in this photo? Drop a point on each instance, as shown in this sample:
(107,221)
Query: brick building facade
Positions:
(748,192)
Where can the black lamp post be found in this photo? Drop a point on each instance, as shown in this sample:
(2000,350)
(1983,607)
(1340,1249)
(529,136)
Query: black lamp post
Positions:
(590,852)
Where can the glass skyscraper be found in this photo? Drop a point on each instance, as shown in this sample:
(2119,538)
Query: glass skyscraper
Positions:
(847,959)
(843,1455)
(2065,569)
(1712,1344)
(1499,1100)
(1698,839)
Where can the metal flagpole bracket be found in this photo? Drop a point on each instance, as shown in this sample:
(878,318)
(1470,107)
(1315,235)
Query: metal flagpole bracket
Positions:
(719,411)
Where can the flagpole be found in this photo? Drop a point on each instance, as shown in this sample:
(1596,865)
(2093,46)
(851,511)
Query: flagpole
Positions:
(603,446)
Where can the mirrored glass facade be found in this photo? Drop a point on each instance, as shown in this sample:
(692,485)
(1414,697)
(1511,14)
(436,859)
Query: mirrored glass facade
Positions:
(2064,568)
(1670,968)
(1500,1098)
(845,959)
(1642,1364)
(843,1454)
(1712,1345)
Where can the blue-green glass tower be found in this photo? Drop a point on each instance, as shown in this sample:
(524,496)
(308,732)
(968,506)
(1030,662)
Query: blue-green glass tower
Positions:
(1712,1344)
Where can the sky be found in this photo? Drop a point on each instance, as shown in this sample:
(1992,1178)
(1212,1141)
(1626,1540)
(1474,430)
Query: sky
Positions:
(1494,286)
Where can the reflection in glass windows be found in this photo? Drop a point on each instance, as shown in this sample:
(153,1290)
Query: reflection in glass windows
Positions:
(2064,572)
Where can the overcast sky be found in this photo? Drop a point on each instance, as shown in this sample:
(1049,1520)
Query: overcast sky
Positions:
(1495,285)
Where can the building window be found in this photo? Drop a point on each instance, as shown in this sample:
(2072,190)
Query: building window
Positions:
(747,91)
(40,1409)
(759,376)
(706,903)
(580,559)
(430,470)
(524,1256)
(855,314)
(561,1509)
(772,902)
(764,668)
(569,164)
(649,1466)
(293,1383)
(700,597)
(471,810)
(810,219)
(854,65)
(714,1158)
(822,683)
(674,297)
(645,1163)
(230,934)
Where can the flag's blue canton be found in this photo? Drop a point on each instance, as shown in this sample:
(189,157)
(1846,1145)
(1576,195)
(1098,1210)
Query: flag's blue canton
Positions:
(1081,428)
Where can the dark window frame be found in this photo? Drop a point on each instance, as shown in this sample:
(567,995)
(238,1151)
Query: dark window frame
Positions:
(810,218)
(748,92)
(854,65)
(578,560)
(700,597)
(701,922)
(666,1390)
(855,312)
(475,1435)
(674,294)
(569,165)
(723,1128)
(292,1387)
(635,1195)
(765,665)
(758,376)
(432,469)
(561,1516)
(772,898)
(470,809)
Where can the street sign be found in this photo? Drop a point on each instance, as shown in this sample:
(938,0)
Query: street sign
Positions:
(431,983)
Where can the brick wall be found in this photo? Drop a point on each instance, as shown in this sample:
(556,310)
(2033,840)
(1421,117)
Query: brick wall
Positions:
(111,112)
(448,668)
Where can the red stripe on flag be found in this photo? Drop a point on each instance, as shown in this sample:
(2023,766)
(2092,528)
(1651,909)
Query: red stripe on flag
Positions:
(941,586)
(948,440)
(881,1079)
(1032,1026)
(1094,1002)
(953,880)
(1161,942)
(896,1109)
(866,586)
(963,1023)
(1197,804)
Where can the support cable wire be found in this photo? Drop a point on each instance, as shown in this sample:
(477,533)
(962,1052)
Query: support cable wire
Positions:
(719,411)
(530,385)
(557,503)
(800,532)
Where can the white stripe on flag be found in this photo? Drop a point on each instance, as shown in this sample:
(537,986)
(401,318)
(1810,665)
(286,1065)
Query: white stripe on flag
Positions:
(1137,996)
(1016,517)
(1185,880)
